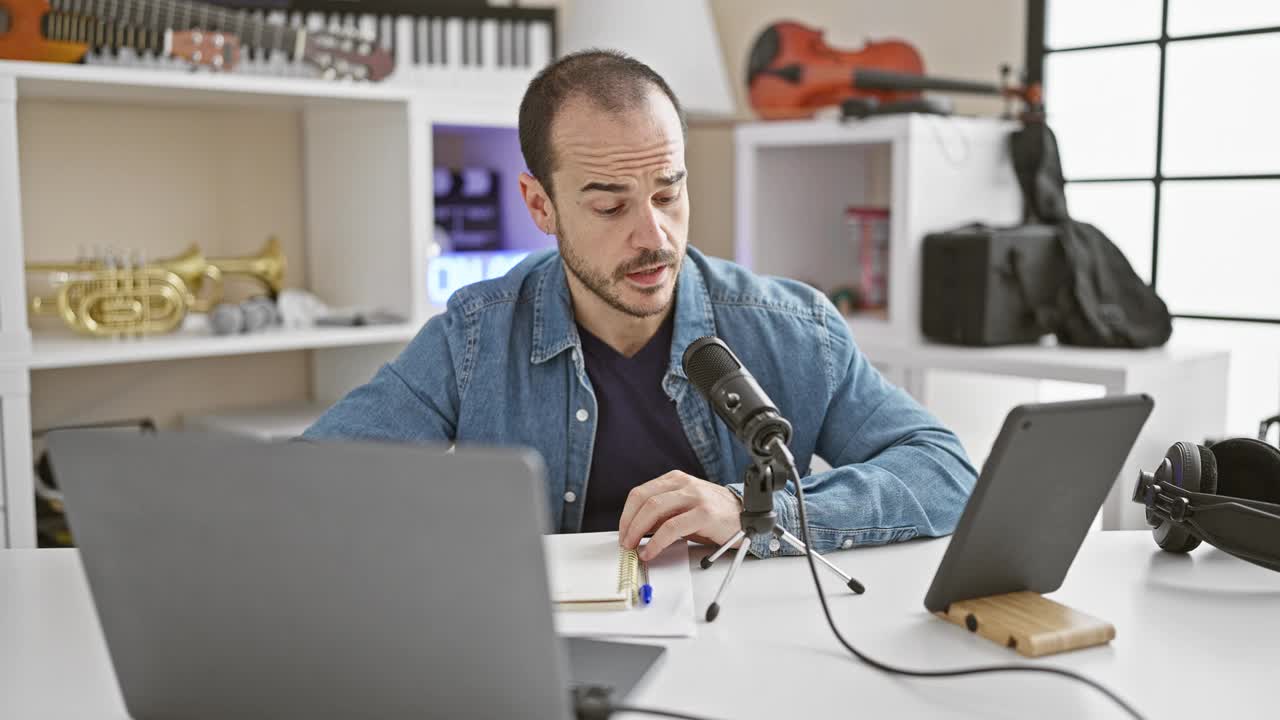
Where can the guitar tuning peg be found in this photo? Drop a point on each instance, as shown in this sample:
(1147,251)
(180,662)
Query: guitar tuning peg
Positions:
(329,74)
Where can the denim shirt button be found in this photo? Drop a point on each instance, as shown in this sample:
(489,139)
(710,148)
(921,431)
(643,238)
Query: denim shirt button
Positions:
(570,496)
(848,543)
(774,545)
(582,415)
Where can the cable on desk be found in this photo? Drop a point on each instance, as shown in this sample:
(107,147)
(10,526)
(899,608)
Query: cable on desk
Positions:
(594,702)
(651,711)
(822,597)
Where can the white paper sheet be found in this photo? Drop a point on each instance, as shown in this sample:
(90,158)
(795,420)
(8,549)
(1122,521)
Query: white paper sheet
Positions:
(671,614)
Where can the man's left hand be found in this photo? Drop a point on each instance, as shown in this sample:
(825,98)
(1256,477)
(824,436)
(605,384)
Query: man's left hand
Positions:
(674,506)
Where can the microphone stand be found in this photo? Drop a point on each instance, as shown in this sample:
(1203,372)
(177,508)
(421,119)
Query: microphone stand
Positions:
(767,475)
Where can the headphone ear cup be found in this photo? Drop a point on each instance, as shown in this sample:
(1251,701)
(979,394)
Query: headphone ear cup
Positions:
(1248,468)
(1208,470)
(1187,461)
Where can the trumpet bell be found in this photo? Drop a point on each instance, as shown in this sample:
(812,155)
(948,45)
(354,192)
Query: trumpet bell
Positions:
(267,266)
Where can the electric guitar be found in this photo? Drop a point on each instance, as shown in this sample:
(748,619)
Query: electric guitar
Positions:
(25,33)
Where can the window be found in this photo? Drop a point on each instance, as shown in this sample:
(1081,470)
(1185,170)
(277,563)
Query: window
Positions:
(1165,115)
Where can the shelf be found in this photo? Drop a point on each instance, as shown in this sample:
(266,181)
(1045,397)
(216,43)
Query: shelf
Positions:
(68,81)
(877,315)
(796,181)
(872,130)
(64,350)
(792,133)
(870,326)
(1049,361)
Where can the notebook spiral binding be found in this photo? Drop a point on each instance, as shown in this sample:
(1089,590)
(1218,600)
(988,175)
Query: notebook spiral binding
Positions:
(629,572)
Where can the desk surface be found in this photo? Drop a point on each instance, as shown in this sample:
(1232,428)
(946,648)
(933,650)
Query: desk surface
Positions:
(1197,636)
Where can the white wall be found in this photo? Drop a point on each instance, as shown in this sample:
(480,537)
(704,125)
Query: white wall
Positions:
(956,39)
(1253,391)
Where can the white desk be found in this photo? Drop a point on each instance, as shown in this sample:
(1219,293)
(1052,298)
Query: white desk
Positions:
(1189,385)
(1197,637)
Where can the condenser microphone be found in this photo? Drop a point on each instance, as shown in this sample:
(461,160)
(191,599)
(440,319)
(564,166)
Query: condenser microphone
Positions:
(735,395)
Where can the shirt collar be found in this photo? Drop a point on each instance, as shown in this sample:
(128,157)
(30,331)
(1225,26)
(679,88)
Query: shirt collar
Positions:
(554,330)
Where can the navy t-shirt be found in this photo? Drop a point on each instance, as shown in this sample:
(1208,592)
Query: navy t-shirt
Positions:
(638,433)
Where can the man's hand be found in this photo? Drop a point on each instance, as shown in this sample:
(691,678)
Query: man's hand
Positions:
(678,505)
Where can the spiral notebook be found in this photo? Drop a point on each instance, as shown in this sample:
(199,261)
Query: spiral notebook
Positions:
(595,588)
(590,571)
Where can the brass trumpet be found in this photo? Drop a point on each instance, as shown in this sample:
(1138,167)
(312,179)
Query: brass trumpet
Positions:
(117,296)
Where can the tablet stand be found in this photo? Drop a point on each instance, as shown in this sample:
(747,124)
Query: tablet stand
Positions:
(1029,623)
(768,474)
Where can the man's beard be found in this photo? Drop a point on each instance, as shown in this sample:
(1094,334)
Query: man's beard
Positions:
(606,288)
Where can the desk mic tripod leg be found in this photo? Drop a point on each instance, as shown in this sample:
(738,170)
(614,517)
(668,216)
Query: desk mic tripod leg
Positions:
(796,543)
(714,609)
(707,560)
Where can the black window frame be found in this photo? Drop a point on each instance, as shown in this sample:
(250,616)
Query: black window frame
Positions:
(1036,52)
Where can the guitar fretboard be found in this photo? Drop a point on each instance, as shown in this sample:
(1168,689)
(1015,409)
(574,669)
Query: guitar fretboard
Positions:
(66,27)
(252,29)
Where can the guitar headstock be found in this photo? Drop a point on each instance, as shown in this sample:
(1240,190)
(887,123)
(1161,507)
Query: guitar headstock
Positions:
(347,55)
(218,50)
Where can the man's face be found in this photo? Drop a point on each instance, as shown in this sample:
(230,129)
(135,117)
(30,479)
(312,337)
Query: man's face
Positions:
(621,205)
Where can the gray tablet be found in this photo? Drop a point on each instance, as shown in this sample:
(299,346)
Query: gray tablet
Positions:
(1048,474)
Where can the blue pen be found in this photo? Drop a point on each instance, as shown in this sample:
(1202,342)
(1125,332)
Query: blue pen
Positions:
(646,590)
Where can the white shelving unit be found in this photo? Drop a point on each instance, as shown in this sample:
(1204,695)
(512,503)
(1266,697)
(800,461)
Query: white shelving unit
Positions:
(1189,385)
(65,351)
(795,180)
(365,176)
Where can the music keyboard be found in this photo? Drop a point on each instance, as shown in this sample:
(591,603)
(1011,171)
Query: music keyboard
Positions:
(438,51)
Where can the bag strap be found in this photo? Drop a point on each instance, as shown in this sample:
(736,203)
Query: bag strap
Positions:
(1090,282)
(1034,149)
(1044,316)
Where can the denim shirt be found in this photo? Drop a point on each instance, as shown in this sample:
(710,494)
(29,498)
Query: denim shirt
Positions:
(503,365)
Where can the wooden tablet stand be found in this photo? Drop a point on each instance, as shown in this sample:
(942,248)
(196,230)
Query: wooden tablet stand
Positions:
(1029,623)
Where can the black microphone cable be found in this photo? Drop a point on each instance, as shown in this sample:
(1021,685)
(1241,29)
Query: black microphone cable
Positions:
(883,667)
(594,702)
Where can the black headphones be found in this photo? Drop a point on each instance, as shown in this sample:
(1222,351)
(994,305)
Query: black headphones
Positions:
(1227,495)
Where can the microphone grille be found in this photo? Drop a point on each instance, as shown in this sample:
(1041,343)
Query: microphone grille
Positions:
(708,360)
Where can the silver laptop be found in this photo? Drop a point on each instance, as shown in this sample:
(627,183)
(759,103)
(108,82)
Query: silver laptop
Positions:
(235,578)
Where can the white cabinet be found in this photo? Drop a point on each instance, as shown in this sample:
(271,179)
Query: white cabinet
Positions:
(794,182)
(16,478)
(361,179)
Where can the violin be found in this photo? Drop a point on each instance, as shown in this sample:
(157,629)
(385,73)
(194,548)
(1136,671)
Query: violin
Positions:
(792,73)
